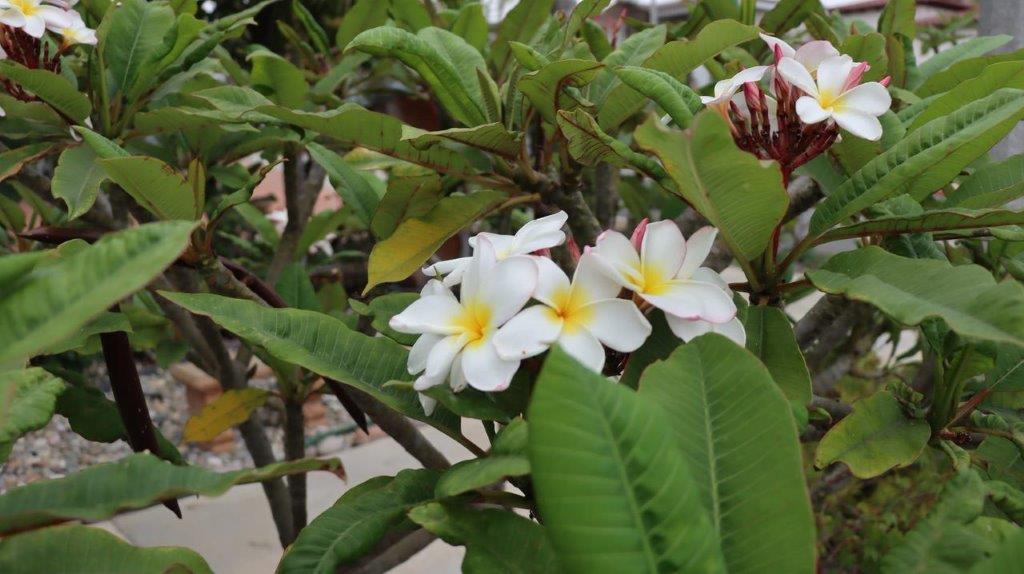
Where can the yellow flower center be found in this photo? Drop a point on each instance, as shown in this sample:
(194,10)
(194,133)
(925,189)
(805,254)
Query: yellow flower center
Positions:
(475,321)
(830,101)
(649,279)
(570,307)
(26,7)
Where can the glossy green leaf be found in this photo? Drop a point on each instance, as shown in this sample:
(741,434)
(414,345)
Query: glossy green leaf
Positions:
(1007,558)
(632,51)
(134,482)
(12,160)
(156,186)
(875,438)
(130,38)
(471,25)
(353,525)
(417,238)
(898,18)
(962,71)
(740,443)
(444,60)
(496,541)
(281,80)
(788,14)
(519,25)
(969,48)
(322,344)
(583,10)
(994,77)
(52,88)
(770,338)
(27,400)
(493,138)
(926,159)
(678,100)
(591,146)
(612,487)
(410,196)
(363,15)
(77,179)
(658,346)
(355,191)
(677,59)
(926,221)
(76,548)
(544,88)
(967,297)
(477,473)
(992,185)
(53,302)
(740,195)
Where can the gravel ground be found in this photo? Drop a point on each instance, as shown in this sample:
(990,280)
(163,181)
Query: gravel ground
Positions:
(55,450)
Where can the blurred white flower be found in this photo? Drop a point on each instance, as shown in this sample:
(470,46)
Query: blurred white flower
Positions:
(726,89)
(810,55)
(32,16)
(74,31)
(578,316)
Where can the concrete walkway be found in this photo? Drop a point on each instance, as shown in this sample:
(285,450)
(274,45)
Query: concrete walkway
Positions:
(235,534)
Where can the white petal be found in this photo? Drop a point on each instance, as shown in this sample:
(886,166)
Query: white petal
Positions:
(833,73)
(508,287)
(687,329)
(457,380)
(617,323)
(424,382)
(812,54)
(528,334)
(55,17)
(698,247)
(34,26)
(420,350)
(617,258)
(431,314)
(861,125)
(542,233)
(663,249)
(480,265)
(695,300)
(708,275)
(552,282)
(484,369)
(871,98)
(795,73)
(428,404)
(439,361)
(749,75)
(772,41)
(584,347)
(591,283)
(503,244)
(810,111)
(12,18)
(447,267)
(733,330)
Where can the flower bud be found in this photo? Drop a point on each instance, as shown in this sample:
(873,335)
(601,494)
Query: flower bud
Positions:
(638,234)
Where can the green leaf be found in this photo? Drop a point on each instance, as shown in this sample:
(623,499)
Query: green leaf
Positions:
(740,443)
(582,11)
(53,89)
(155,185)
(444,60)
(27,400)
(519,25)
(12,160)
(678,100)
(676,59)
(544,88)
(658,346)
(869,48)
(77,179)
(280,79)
(496,541)
(417,238)
(493,138)
(994,77)
(230,409)
(770,338)
(788,14)
(925,160)
(76,548)
(875,438)
(611,485)
(365,14)
(969,48)
(471,26)
(633,51)
(1008,557)
(410,196)
(353,525)
(962,71)
(912,290)
(941,220)
(740,195)
(103,147)
(131,37)
(383,308)
(356,126)
(322,344)
(353,188)
(477,473)
(469,403)
(134,482)
(898,18)
(53,302)
(992,185)
(591,146)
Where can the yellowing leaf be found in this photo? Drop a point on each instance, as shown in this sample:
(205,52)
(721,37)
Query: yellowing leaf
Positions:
(231,408)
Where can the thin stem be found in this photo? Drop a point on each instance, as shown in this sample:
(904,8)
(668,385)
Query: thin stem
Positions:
(295,449)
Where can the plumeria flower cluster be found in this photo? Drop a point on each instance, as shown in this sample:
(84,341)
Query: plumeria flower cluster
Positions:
(791,111)
(515,303)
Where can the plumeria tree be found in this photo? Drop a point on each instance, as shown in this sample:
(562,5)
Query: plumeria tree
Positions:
(738,293)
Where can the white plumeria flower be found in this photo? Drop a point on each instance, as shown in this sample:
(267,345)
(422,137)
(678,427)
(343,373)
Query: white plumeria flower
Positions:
(811,54)
(578,316)
(836,95)
(74,31)
(687,329)
(543,233)
(32,16)
(665,272)
(726,89)
(457,336)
